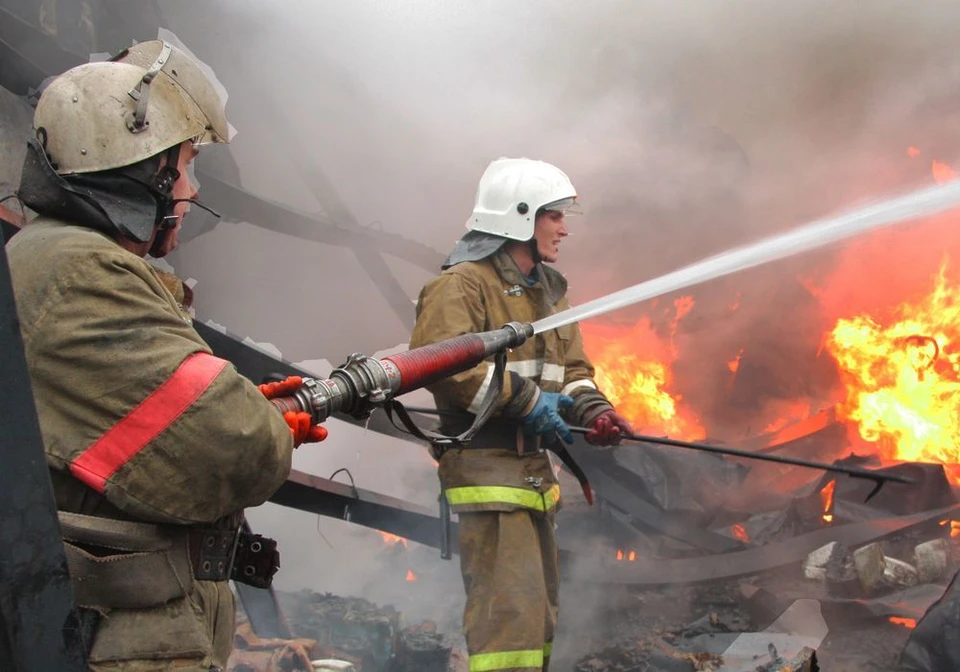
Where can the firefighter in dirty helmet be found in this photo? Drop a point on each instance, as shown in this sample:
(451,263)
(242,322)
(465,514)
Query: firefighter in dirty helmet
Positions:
(502,484)
(154,445)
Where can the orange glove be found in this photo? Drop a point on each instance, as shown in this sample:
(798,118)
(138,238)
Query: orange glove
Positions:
(284,388)
(302,427)
(300,423)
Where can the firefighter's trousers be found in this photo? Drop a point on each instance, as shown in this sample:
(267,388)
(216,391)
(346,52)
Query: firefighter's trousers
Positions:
(511,573)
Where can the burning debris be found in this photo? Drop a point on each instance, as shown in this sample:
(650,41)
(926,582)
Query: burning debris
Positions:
(864,374)
(881,354)
(879,566)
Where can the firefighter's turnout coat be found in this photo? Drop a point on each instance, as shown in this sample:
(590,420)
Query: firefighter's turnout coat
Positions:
(142,426)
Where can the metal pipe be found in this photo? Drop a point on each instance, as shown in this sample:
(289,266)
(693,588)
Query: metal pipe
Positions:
(854,472)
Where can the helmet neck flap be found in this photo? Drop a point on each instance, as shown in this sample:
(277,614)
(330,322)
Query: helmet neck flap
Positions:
(129,201)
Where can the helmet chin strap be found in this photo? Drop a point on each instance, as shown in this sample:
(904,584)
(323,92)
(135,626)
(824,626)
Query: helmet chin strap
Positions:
(166,217)
(162,186)
(534,247)
(168,223)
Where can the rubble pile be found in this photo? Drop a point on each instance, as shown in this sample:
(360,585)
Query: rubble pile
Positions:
(736,632)
(253,654)
(825,574)
(845,608)
(371,637)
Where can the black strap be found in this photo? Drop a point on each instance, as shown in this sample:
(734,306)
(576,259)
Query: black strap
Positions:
(395,408)
(560,450)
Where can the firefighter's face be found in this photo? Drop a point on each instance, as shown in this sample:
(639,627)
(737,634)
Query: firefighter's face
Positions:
(184,187)
(549,229)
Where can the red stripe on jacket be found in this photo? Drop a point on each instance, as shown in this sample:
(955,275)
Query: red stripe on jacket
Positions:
(139,427)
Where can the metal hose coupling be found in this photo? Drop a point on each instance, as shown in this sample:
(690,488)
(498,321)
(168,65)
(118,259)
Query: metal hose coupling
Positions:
(362,383)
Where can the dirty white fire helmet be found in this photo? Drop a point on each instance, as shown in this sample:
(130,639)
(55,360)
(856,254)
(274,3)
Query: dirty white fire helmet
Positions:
(512,191)
(105,115)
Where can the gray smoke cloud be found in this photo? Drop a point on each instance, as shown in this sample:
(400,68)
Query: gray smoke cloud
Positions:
(688,128)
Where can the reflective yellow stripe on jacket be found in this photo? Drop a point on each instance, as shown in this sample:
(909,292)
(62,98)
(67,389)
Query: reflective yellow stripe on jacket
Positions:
(501,494)
(506,660)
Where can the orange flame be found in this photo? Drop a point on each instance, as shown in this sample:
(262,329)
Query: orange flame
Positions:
(734,364)
(630,556)
(903,379)
(954,527)
(740,532)
(905,622)
(899,364)
(898,360)
(826,497)
(392,538)
(633,369)
(789,413)
(943,173)
(411,576)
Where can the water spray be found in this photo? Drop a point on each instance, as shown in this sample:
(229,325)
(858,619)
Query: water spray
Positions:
(820,233)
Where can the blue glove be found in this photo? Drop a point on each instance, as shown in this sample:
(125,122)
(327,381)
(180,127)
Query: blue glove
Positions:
(545,418)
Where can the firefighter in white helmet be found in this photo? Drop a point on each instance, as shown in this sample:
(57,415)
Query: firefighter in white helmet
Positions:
(154,445)
(502,484)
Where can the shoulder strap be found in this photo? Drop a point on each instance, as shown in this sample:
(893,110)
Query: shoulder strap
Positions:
(395,408)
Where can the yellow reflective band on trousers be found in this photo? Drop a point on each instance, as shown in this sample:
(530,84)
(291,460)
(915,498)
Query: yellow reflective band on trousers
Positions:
(547,649)
(501,494)
(506,660)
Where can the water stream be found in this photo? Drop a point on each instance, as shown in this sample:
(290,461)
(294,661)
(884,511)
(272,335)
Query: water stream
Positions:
(915,205)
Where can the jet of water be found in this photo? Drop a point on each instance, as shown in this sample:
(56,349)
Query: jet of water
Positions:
(915,205)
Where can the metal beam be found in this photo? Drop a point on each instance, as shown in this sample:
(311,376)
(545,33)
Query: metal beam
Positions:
(722,566)
(237,204)
(362,507)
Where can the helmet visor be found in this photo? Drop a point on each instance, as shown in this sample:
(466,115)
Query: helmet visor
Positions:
(568,206)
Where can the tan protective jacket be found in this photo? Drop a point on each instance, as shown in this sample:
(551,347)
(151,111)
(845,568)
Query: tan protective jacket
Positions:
(479,296)
(139,420)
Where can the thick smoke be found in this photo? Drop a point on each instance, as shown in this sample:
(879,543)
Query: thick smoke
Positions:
(687,127)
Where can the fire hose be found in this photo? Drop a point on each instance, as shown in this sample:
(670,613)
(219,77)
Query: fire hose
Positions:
(363,383)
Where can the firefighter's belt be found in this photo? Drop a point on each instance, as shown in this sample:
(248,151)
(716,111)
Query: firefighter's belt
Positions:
(119,564)
(507,435)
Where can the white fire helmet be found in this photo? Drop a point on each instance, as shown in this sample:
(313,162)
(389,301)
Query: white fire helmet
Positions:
(512,191)
(105,115)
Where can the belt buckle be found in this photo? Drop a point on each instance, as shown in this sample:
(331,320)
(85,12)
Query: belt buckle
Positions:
(256,560)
